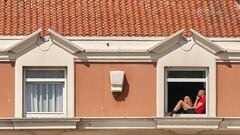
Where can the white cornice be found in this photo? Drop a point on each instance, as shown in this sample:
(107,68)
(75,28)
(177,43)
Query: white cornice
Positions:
(99,38)
(117,49)
(11,37)
(107,38)
(115,57)
(225,39)
(115,38)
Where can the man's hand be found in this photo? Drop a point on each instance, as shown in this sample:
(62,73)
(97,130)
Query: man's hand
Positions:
(197,98)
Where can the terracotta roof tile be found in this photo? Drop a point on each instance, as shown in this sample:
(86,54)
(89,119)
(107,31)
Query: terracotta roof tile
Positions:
(118,19)
(212,18)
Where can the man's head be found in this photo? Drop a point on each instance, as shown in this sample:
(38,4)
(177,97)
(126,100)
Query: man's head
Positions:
(201,92)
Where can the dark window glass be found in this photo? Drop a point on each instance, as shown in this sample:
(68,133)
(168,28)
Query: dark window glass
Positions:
(186,74)
(44,74)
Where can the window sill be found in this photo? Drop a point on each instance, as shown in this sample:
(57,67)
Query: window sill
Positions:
(190,115)
(45,115)
(103,123)
(38,123)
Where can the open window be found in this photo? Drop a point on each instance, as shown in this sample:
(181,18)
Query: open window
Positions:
(181,82)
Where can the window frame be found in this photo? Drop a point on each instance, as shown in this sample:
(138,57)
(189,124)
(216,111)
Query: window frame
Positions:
(45,80)
(205,80)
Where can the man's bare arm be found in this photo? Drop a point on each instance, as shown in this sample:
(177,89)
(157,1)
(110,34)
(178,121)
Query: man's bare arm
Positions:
(197,106)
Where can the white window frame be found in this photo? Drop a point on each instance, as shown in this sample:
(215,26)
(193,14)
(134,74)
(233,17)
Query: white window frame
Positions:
(46,80)
(166,80)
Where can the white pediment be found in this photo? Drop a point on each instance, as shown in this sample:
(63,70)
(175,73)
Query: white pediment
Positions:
(206,43)
(64,43)
(25,42)
(167,43)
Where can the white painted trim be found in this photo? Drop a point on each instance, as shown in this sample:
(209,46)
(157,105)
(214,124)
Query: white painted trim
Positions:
(45,123)
(112,38)
(186,80)
(121,38)
(196,57)
(11,37)
(39,58)
(116,60)
(120,50)
(188,123)
(64,43)
(193,124)
(231,61)
(167,43)
(115,57)
(226,39)
(107,38)
(47,80)
(206,43)
(117,123)
(45,115)
(203,80)
(25,42)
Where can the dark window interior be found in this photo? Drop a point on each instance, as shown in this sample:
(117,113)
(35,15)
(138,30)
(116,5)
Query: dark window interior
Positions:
(186,74)
(177,91)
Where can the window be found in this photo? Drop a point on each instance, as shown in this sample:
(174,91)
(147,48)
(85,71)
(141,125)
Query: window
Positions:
(183,82)
(45,92)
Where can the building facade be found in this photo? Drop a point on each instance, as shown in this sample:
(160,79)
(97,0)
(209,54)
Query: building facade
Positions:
(116,67)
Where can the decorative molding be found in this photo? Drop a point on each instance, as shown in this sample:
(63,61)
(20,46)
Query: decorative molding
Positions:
(25,42)
(64,43)
(206,43)
(117,123)
(112,38)
(37,123)
(117,80)
(167,43)
(230,123)
(122,123)
(115,57)
(117,49)
(203,123)
(120,38)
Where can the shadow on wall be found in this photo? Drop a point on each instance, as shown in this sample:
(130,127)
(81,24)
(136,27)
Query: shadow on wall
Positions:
(123,95)
(228,64)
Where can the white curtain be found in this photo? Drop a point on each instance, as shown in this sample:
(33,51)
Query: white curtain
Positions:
(44,97)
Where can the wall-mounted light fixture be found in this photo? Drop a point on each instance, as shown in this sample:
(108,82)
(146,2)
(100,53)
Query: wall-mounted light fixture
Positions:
(117,79)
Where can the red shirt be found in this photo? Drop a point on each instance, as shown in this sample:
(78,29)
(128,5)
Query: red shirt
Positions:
(202,109)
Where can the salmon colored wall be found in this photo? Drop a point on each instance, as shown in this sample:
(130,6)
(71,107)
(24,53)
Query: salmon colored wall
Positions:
(7,89)
(228,89)
(93,91)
